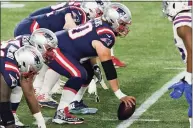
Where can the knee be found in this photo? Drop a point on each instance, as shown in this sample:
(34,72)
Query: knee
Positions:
(74,83)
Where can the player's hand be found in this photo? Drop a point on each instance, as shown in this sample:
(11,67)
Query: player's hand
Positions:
(128,100)
(178,90)
(97,72)
(41,125)
(188,93)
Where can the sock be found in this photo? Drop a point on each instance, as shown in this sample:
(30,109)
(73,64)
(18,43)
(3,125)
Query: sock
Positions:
(71,88)
(38,82)
(51,77)
(80,94)
(190,120)
(67,97)
(188,78)
(15,98)
(112,52)
(56,87)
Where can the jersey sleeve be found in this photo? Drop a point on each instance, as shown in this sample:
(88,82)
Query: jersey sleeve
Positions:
(106,36)
(182,19)
(48,9)
(78,15)
(11,75)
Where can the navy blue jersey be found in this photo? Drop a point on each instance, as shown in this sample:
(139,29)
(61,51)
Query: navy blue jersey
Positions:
(78,41)
(9,68)
(55,20)
(54,7)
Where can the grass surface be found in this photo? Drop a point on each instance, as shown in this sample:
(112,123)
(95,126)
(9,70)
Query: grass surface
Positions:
(147,50)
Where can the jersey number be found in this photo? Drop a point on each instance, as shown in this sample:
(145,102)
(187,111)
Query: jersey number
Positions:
(80,31)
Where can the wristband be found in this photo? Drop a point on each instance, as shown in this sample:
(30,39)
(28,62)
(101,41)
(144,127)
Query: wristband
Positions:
(119,94)
(39,118)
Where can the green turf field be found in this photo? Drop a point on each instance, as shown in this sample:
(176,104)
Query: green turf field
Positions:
(149,52)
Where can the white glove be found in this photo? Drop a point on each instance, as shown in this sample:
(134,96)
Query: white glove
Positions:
(42,125)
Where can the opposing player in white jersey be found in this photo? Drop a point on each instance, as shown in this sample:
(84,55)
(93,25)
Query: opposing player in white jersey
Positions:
(179,13)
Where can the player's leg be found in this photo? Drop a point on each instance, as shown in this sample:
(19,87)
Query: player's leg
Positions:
(67,66)
(117,63)
(16,96)
(77,106)
(58,87)
(44,97)
(5,106)
(39,80)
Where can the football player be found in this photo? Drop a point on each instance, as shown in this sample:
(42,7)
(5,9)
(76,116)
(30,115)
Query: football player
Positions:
(117,63)
(65,18)
(92,39)
(179,13)
(18,67)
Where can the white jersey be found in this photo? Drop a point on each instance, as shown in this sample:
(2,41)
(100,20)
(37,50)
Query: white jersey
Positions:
(182,19)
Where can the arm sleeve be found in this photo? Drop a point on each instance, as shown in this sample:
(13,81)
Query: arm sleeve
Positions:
(106,36)
(48,9)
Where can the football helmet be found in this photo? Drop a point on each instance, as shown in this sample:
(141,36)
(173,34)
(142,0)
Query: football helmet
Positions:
(29,60)
(44,40)
(172,8)
(119,17)
(103,4)
(91,9)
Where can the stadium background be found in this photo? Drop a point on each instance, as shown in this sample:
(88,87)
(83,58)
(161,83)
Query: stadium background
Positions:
(152,60)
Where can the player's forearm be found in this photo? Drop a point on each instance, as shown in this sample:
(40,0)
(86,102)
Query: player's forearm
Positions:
(114,85)
(93,61)
(41,11)
(69,22)
(32,102)
(189,63)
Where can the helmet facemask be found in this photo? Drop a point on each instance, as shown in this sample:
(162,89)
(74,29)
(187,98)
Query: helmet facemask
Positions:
(29,60)
(45,41)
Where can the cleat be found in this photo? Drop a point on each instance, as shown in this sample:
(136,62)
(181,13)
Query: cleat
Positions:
(117,63)
(80,108)
(45,100)
(64,117)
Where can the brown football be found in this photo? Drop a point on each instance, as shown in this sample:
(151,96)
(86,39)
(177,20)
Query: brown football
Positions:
(124,112)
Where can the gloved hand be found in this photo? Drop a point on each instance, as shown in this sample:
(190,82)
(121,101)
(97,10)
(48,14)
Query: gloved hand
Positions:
(178,90)
(97,72)
(41,125)
(188,95)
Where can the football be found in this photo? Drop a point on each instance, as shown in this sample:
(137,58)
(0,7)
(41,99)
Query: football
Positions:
(124,112)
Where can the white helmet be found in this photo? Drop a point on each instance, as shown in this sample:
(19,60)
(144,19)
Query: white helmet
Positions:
(103,4)
(44,40)
(91,9)
(172,8)
(119,16)
(29,60)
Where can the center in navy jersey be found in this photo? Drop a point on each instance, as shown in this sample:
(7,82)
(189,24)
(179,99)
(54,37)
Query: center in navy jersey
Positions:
(78,41)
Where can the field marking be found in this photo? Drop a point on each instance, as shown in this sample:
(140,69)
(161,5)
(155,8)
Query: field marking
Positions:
(142,120)
(7,4)
(149,102)
(175,68)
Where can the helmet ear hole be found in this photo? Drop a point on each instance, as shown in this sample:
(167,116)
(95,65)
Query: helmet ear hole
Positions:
(24,64)
(174,5)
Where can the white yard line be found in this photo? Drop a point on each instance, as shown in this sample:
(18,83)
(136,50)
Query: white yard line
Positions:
(149,102)
(175,68)
(142,120)
(7,4)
